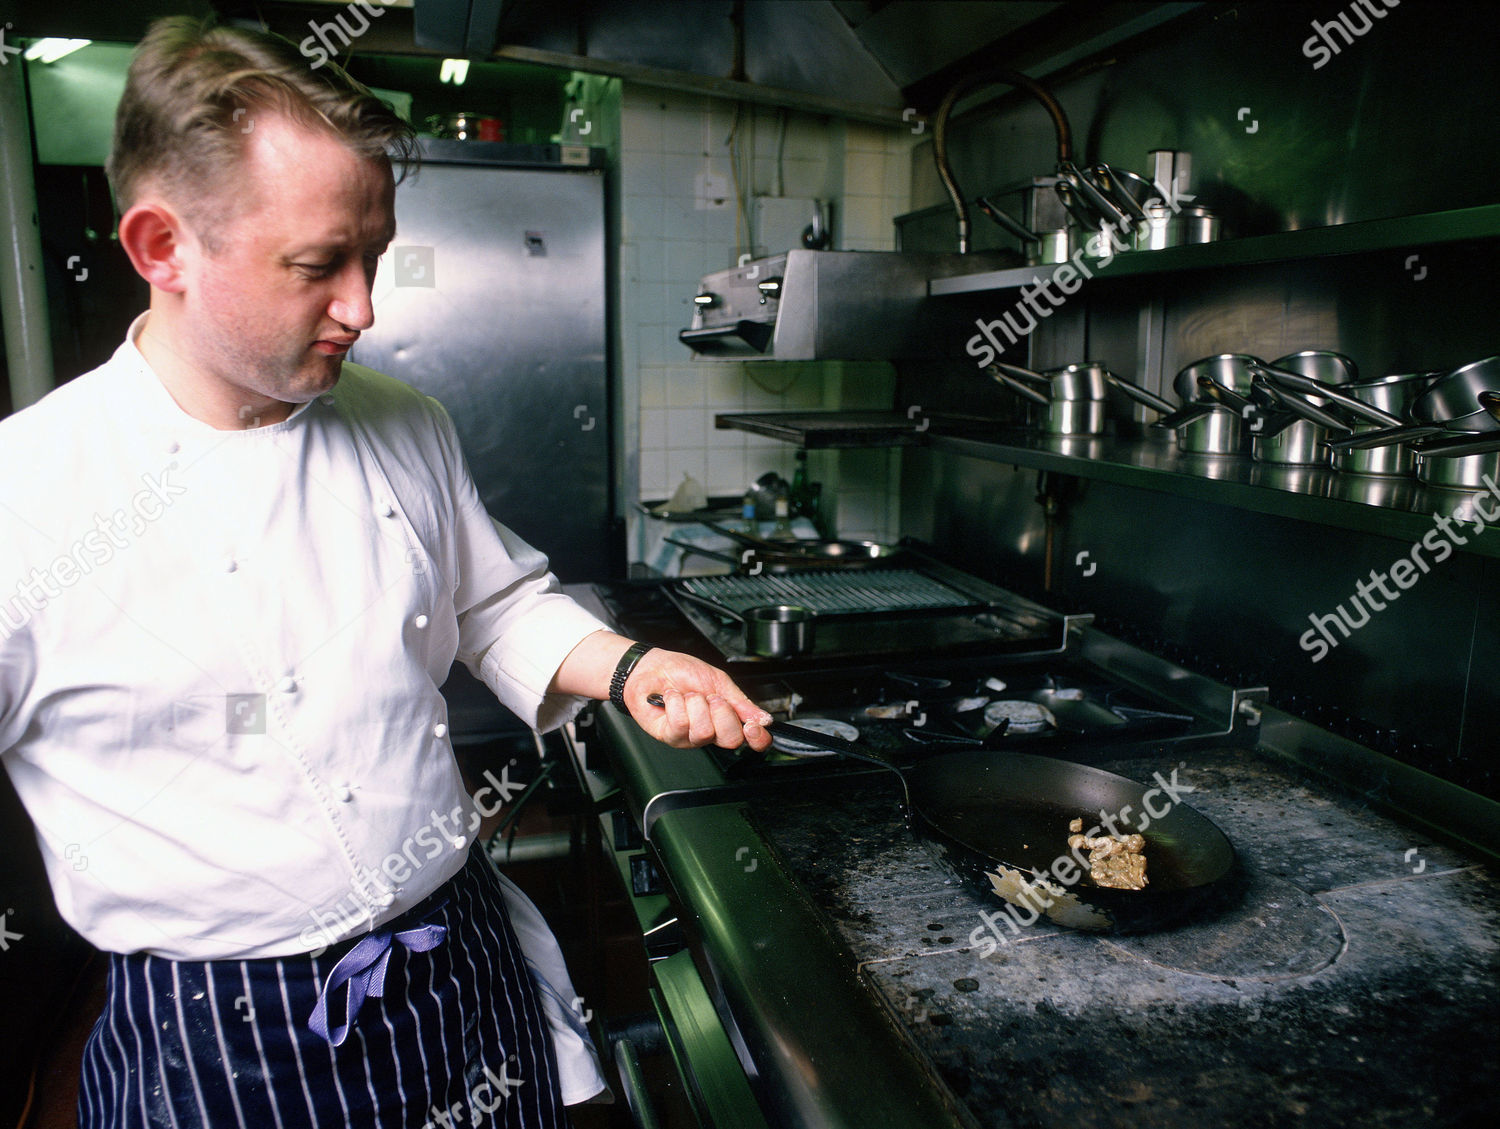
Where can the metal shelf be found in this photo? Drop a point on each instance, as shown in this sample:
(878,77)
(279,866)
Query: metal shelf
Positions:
(1339,239)
(1401,508)
(850,429)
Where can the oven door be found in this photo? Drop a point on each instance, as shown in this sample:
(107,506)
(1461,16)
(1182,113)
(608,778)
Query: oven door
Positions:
(696,1051)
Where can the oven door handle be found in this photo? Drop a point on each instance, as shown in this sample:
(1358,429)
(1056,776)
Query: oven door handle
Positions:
(633,1084)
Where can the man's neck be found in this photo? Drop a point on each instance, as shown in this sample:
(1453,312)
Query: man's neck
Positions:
(202,397)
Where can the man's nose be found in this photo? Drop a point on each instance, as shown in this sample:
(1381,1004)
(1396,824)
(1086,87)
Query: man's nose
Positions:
(351,306)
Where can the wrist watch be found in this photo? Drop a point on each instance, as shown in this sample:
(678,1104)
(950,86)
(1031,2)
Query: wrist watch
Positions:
(627,662)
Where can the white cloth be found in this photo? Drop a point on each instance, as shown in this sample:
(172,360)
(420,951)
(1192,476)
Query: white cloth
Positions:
(220,660)
(578,1070)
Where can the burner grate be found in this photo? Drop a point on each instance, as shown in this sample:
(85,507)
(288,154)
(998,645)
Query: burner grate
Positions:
(834,592)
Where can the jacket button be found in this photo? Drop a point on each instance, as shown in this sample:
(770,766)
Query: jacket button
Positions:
(287,685)
(440,730)
(420,621)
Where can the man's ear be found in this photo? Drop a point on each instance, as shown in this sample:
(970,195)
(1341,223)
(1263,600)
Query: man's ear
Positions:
(156,239)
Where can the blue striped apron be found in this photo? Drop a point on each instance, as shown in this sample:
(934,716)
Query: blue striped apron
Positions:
(449,1035)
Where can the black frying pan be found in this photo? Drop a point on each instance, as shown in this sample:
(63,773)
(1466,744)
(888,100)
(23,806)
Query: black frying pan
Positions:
(997,816)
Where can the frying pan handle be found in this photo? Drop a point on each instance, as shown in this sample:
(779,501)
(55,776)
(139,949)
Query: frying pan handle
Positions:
(699,550)
(1188,413)
(706,604)
(1019,230)
(1102,205)
(1113,181)
(1295,380)
(1386,437)
(1023,373)
(1224,395)
(1299,405)
(1140,395)
(1085,218)
(1019,386)
(1462,443)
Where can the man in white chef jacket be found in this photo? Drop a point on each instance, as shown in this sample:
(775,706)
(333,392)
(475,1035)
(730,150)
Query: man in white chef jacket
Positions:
(242,569)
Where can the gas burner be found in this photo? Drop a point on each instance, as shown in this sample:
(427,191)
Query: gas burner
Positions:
(831,726)
(1023,716)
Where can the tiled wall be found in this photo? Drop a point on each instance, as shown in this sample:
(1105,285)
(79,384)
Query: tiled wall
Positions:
(667,244)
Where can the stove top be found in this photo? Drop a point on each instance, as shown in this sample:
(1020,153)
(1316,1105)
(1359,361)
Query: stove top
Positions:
(1038,704)
(1344,986)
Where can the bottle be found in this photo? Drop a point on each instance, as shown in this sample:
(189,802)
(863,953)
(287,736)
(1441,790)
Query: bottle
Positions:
(747,513)
(804,494)
(782,530)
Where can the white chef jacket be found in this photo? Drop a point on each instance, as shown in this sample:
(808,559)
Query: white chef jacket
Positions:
(220,654)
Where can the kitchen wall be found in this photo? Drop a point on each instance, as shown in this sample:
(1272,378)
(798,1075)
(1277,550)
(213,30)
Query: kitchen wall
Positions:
(667,242)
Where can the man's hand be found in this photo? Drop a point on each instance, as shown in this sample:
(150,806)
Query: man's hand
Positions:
(701,705)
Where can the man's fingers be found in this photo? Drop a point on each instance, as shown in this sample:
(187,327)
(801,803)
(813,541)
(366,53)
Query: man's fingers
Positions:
(700,729)
(728,728)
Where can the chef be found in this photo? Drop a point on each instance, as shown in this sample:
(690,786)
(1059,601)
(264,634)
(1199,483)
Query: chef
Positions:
(242,568)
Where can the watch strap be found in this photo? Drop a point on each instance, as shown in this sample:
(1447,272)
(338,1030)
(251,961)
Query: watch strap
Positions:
(628,660)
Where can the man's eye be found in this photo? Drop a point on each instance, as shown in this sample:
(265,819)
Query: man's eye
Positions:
(315,270)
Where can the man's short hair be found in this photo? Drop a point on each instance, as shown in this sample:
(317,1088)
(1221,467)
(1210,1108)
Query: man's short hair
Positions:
(189,104)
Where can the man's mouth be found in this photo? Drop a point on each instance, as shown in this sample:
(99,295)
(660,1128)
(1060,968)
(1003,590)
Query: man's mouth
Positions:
(334,346)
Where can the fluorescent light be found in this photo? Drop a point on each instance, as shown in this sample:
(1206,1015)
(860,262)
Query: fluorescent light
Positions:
(50,50)
(454,71)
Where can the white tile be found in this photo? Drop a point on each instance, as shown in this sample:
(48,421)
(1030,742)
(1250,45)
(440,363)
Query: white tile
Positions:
(682,129)
(862,138)
(865,217)
(655,306)
(651,259)
(726,470)
(686,427)
(686,460)
(684,390)
(686,264)
(653,483)
(653,384)
(807,138)
(723,386)
(643,216)
(653,428)
(896,184)
(640,127)
(656,345)
(808,177)
(680,171)
(864,173)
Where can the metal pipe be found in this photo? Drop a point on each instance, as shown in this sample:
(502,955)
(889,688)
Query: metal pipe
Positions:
(940,134)
(23,283)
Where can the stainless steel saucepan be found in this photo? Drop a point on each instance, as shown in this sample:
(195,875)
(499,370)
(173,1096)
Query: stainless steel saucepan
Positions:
(771,630)
(1073,395)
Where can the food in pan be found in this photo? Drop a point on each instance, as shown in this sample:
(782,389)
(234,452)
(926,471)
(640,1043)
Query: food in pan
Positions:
(1115,861)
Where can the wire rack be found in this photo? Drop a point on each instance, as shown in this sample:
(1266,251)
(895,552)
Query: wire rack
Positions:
(831,592)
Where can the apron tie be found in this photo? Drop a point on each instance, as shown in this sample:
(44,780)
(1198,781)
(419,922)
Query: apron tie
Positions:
(364,967)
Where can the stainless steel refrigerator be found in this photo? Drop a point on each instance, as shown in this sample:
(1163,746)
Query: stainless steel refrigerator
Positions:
(492,299)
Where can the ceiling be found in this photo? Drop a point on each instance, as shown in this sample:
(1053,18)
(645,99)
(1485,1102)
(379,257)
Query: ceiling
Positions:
(878,60)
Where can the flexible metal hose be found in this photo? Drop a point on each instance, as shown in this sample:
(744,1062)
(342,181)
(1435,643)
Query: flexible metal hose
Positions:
(940,133)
